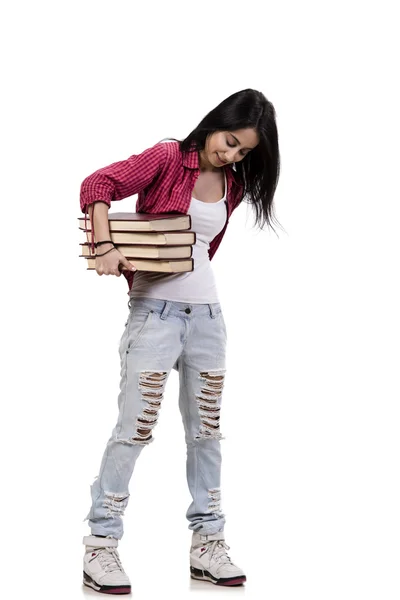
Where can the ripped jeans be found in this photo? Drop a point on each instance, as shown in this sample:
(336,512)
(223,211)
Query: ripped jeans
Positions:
(161,335)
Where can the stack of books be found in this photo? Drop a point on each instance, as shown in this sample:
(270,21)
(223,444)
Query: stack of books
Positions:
(151,242)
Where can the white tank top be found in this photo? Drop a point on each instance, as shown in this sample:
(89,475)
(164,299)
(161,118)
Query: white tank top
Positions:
(197,286)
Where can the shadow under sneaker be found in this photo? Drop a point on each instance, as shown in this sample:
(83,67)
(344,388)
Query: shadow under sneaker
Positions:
(209,561)
(102,568)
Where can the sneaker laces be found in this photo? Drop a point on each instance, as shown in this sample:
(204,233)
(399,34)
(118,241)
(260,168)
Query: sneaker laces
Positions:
(217,550)
(109,559)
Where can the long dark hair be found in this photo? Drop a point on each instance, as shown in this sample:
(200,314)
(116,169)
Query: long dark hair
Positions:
(259,170)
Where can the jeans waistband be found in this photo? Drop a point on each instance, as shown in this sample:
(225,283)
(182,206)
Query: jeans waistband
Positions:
(171,307)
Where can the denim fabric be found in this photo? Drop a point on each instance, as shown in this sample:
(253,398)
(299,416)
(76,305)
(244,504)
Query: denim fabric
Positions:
(161,335)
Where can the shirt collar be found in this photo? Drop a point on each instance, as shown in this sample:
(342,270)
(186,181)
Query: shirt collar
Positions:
(190,159)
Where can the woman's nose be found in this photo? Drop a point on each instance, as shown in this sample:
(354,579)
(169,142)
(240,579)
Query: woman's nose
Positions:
(230,156)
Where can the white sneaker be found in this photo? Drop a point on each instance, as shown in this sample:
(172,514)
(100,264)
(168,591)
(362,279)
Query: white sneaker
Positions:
(210,562)
(102,568)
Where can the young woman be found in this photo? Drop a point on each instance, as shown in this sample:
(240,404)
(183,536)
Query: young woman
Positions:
(176,321)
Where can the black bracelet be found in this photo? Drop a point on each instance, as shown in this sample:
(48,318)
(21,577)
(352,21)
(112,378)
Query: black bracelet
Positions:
(107,251)
(104,242)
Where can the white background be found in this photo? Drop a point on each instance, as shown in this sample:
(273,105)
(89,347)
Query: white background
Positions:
(310,407)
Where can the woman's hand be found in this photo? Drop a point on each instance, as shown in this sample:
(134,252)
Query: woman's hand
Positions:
(112,262)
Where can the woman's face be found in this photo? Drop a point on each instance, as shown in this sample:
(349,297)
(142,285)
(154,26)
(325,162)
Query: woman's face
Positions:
(225,147)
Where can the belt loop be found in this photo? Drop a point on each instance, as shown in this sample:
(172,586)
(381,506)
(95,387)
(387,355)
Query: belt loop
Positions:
(130,303)
(165,310)
(212,311)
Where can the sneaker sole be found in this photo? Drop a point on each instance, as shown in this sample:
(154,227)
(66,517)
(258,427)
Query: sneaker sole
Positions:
(105,589)
(206,576)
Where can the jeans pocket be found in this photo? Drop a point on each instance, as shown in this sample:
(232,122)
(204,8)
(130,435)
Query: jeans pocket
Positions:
(139,321)
(220,319)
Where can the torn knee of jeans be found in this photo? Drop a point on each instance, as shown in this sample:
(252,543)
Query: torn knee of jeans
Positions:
(151,384)
(208,402)
(116,503)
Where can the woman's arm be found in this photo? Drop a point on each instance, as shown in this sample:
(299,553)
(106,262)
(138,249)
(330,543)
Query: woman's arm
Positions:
(124,178)
(98,213)
(110,263)
(120,180)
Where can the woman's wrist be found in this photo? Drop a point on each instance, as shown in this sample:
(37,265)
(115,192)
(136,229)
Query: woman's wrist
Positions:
(104,246)
(102,252)
(106,242)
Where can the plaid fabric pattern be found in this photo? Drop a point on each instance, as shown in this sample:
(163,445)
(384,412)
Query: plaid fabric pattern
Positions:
(163,178)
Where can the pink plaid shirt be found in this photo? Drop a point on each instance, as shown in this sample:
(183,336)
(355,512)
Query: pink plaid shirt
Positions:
(163,178)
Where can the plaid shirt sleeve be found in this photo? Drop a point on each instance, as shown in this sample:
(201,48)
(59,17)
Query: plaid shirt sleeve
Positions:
(124,178)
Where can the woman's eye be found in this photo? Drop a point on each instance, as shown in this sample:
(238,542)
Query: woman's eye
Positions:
(242,152)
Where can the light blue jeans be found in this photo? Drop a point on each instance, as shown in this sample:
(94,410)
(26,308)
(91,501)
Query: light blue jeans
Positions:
(161,335)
